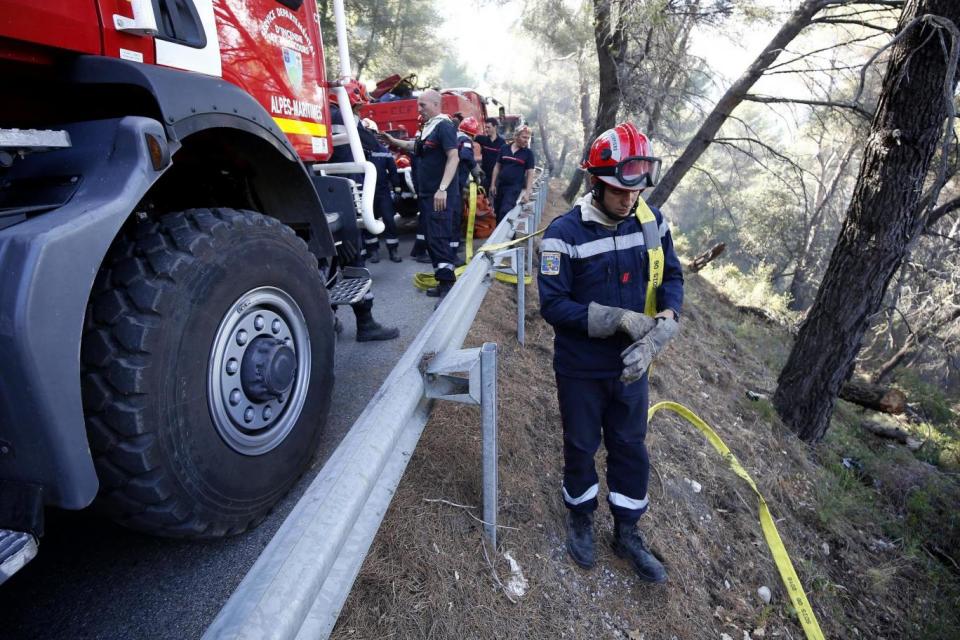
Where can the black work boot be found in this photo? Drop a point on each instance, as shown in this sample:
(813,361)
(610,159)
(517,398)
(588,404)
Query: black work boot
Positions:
(374,256)
(440,291)
(394,256)
(369,329)
(580,539)
(629,544)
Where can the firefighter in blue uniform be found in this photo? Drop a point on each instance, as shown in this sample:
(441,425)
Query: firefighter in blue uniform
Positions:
(467,167)
(383,209)
(490,144)
(593,278)
(437,155)
(513,173)
(351,248)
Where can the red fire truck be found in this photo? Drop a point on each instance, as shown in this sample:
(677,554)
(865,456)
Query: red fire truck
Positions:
(168,260)
(395,112)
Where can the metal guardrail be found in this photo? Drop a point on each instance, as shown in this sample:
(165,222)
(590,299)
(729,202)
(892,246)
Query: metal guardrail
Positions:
(297,586)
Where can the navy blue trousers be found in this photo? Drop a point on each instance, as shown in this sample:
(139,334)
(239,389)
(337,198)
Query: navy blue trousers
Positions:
(382,210)
(589,409)
(438,228)
(506,199)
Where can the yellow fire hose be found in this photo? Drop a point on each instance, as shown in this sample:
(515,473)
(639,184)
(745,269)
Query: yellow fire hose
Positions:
(780,557)
(425,280)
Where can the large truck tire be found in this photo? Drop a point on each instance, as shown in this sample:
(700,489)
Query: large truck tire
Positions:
(207,371)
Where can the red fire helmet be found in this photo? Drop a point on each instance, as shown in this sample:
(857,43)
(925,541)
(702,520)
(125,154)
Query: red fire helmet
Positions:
(470,126)
(403,161)
(356,91)
(623,157)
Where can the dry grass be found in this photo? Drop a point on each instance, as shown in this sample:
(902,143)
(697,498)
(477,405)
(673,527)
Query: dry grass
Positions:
(427,574)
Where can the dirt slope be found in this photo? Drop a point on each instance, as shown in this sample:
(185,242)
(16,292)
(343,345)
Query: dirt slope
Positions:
(430,575)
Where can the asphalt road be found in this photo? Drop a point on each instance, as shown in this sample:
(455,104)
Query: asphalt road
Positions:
(93,579)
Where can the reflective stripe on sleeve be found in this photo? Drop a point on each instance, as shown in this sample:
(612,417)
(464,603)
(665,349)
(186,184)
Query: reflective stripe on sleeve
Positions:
(594,247)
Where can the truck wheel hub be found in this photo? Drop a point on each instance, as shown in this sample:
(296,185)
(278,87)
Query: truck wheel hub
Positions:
(268,369)
(259,371)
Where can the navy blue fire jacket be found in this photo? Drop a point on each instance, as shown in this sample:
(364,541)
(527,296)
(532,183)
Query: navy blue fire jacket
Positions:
(584,262)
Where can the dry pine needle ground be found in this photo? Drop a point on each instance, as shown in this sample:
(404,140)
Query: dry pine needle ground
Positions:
(430,574)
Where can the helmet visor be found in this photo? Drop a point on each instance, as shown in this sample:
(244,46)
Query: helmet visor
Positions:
(638,171)
(635,171)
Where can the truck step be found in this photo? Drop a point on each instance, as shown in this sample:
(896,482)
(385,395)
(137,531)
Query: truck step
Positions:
(16,549)
(353,284)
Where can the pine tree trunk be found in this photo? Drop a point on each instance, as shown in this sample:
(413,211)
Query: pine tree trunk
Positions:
(881,222)
(608,32)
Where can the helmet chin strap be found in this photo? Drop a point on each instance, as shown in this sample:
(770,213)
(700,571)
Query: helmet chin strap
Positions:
(599,188)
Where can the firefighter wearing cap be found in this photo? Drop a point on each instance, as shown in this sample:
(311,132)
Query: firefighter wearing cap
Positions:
(435,148)
(386,167)
(513,173)
(593,278)
(351,249)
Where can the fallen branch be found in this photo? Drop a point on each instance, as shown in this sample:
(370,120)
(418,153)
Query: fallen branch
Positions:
(467,506)
(893,433)
(763,314)
(873,396)
(493,570)
(704,258)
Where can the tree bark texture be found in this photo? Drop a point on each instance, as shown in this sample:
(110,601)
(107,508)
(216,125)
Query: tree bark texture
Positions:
(573,189)
(545,140)
(881,222)
(608,32)
(732,98)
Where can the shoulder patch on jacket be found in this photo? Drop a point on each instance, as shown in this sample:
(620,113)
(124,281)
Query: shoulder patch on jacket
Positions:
(550,263)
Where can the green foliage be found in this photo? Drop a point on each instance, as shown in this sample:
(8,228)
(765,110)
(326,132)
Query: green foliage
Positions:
(934,404)
(384,36)
(752,289)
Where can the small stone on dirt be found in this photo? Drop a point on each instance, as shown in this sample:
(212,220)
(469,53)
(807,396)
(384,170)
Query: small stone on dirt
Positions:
(764,593)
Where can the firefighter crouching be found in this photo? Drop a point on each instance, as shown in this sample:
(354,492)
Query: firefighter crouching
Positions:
(593,278)
(436,152)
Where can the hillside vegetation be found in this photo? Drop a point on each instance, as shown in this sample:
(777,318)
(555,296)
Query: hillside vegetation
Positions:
(872,527)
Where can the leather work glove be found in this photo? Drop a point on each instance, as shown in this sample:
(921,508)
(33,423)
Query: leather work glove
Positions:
(603,322)
(638,356)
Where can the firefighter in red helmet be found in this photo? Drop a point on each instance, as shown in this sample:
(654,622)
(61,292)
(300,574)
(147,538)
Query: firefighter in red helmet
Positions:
(594,270)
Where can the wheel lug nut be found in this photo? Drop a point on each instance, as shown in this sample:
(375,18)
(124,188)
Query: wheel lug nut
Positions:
(258,323)
(275,326)
(248,415)
(241,337)
(235,397)
(267,413)
(232,366)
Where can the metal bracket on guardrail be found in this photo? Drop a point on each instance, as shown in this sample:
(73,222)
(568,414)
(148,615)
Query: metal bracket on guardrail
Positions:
(478,388)
(517,268)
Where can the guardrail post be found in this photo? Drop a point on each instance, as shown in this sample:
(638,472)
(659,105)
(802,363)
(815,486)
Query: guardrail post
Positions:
(488,418)
(521,295)
(478,388)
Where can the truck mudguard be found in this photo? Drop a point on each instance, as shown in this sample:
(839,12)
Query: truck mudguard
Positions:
(192,102)
(47,265)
